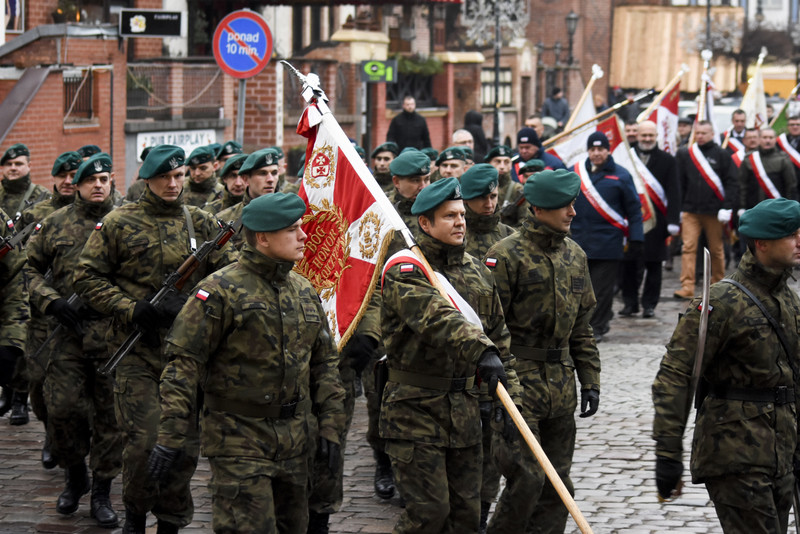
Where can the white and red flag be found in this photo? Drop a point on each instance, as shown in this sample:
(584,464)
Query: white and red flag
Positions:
(349,223)
(666,118)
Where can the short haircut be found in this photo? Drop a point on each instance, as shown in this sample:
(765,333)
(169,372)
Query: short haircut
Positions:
(751,244)
(794,118)
(631,122)
(556,90)
(738,112)
(704,123)
(430,214)
(249,236)
(534,116)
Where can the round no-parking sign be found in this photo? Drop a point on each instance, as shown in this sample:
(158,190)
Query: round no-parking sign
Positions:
(242,44)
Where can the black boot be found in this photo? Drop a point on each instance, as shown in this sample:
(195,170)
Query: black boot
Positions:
(101,510)
(166,528)
(77,485)
(19,408)
(134,523)
(5,400)
(384,478)
(48,460)
(318,523)
(484,516)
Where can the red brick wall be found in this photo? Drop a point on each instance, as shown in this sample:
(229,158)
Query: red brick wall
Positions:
(39,12)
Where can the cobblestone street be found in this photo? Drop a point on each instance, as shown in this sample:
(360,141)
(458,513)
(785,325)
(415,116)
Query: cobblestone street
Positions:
(612,472)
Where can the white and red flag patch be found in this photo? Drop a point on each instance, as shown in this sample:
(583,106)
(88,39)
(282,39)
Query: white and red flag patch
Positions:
(202,294)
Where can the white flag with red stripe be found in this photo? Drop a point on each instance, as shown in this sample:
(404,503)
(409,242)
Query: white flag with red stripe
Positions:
(666,118)
(349,223)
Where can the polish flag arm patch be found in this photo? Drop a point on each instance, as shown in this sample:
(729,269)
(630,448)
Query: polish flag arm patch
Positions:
(407,268)
(202,294)
(491,262)
(98,225)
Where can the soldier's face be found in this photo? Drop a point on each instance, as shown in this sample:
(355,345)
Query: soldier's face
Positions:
(202,172)
(168,186)
(451,168)
(63,182)
(559,219)
(767,139)
(410,186)
(263,181)
(17,168)
(287,244)
(598,155)
(527,151)
(282,166)
(381,162)
(502,164)
(781,253)
(484,205)
(449,224)
(794,127)
(96,187)
(235,183)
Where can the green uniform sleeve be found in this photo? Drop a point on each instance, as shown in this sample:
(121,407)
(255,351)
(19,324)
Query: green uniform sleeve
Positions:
(582,346)
(40,257)
(327,392)
(14,313)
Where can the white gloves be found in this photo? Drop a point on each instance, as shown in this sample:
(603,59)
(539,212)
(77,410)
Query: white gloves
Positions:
(724,216)
(740,212)
(673,229)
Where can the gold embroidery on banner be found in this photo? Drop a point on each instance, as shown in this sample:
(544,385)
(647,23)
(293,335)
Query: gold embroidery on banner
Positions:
(368,229)
(321,170)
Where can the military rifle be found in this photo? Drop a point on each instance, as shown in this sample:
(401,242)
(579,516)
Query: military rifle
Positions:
(9,243)
(508,209)
(74,301)
(175,280)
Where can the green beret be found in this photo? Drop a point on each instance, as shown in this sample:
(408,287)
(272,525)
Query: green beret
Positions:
(478,181)
(500,151)
(272,212)
(411,163)
(96,164)
(532,165)
(436,193)
(258,159)
(216,148)
(15,151)
(551,190)
(68,161)
(161,159)
(453,152)
(230,147)
(145,151)
(468,153)
(200,155)
(233,163)
(278,150)
(360,151)
(389,146)
(302,163)
(773,218)
(430,152)
(87,151)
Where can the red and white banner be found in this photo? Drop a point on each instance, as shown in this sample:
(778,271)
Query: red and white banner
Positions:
(597,201)
(349,223)
(754,101)
(708,173)
(666,118)
(654,188)
(787,147)
(761,176)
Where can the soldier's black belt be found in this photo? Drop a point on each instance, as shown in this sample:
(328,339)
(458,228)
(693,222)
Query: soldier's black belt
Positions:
(248,409)
(779,395)
(431,382)
(539,355)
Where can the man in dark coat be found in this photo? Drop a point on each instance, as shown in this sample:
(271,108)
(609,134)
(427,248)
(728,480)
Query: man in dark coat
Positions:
(409,128)
(473,123)
(530,147)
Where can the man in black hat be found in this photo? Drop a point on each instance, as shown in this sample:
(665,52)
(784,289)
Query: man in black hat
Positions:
(530,147)
(409,128)
(608,213)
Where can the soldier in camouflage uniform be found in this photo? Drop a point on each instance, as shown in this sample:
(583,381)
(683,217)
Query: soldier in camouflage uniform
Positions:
(63,172)
(80,400)
(228,150)
(381,158)
(254,337)
(745,437)
(451,163)
(235,185)
(137,188)
(17,191)
(260,173)
(123,264)
(429,414)
(546,293)
(201,185)
(410,175)
(509,192)
(14,313)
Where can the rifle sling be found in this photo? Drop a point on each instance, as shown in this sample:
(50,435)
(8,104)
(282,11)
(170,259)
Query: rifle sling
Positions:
(190,228)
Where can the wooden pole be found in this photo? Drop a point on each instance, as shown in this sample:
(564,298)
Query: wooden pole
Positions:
(657,100)
(597,73)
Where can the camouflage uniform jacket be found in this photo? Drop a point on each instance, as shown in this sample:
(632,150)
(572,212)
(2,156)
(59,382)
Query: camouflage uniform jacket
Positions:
(508,192)
(135,190)
(483,232)
(222,203)
(542,277)
(39,211)
(57,245)
(13,192)
(384,180)
(233,214)
(133,249)
(200,194)
(741,351)
(14,311)
(254,336)
(425,335)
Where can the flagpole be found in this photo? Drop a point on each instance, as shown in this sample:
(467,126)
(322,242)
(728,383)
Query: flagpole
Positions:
(312,92)
(597,73)
(792,95)
(701,105)
(664,92)
(601,115)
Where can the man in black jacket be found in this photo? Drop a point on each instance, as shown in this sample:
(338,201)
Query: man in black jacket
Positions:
(408,128)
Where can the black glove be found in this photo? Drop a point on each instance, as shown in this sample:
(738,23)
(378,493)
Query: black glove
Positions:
(796,470)
(509,428)
(146,316)
(491,370)
(160,461)
(170,306)
(331,452)
(66,314)
(634,250)
(486,412)
(359,351)
(8,361)
(668,475)
(590,398)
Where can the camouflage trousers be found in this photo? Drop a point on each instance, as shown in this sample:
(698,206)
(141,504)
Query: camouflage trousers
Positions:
(259,496)
(34,370)
(529,503)
(80,404)
(373,407)
(326,487)
(752,503)
(440,486)
(136,402)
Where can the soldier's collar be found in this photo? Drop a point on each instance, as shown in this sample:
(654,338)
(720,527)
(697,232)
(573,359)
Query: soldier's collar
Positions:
(20,185)
(264,266)
(440,254)
(541,234)
(481,223)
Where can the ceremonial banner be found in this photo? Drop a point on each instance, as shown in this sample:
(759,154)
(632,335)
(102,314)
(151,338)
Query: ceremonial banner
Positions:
(666,118)
(754,103)
(349,223)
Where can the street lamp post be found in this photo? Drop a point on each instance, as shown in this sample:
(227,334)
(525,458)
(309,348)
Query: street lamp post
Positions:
(572,25)
(497,44)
